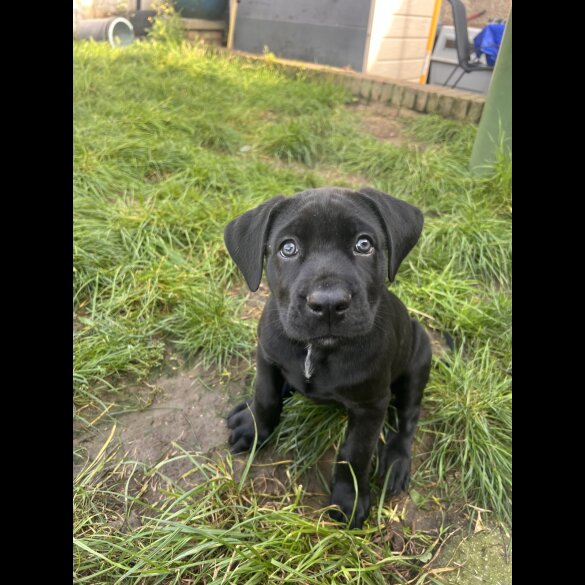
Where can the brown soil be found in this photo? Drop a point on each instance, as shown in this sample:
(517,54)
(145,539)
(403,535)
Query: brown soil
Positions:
(383,122)
(188,408)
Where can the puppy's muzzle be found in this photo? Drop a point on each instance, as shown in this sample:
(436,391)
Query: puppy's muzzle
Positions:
(328,304)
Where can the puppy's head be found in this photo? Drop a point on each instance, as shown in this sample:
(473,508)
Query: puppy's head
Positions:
(328,253)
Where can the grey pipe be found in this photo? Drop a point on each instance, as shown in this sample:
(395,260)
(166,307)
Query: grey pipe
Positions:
(115,30)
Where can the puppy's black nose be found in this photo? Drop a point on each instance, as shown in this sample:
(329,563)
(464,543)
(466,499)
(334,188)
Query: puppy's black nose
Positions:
(329,302)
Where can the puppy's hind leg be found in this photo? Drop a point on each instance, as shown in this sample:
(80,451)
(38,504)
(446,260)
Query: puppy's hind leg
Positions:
(407,392)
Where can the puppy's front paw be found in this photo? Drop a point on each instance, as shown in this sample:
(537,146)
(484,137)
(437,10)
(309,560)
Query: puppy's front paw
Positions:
(397,463)
(241,422)
(344,497)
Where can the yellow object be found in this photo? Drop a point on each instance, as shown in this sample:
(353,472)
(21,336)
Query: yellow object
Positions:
(233,12)
(430,42)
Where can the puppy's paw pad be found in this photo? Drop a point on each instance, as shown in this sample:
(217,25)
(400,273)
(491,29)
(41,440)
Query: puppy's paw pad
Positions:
(343,517)
(237,409)
(337,516)
(241,423)
(345,502)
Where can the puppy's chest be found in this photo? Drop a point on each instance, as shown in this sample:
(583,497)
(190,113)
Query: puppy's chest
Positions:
(320,375)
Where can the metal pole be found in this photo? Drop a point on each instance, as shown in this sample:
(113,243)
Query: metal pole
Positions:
(495,126)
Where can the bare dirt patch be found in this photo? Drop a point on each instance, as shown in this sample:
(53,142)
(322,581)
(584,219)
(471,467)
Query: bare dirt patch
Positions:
(188,408)
(383,122)
(482,557)
(253,301)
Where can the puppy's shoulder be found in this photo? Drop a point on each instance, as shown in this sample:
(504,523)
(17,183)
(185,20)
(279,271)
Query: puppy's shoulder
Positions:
(393,306)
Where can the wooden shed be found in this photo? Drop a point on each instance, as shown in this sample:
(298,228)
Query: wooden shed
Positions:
(384,37)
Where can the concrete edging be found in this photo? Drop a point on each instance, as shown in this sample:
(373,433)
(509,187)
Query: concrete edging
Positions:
(430,99)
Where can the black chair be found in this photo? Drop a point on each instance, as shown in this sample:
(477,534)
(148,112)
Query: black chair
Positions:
(464,49)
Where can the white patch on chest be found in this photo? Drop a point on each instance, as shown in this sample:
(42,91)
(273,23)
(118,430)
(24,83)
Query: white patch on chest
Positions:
(308,365)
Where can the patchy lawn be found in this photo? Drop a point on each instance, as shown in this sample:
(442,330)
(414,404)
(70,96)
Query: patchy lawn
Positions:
(172,143)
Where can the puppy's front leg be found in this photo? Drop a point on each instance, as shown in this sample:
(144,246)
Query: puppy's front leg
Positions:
(363,429)
(264,409)
(407,393)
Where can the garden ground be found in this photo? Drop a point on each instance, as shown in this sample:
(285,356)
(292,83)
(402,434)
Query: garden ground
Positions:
(170,144)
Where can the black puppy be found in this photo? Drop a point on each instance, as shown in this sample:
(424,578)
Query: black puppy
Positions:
(331,330)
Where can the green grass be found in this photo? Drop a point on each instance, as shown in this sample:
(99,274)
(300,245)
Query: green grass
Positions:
(471,401)
(159,171)
(224,529)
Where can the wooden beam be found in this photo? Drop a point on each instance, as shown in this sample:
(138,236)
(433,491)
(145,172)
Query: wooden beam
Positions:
(232,24)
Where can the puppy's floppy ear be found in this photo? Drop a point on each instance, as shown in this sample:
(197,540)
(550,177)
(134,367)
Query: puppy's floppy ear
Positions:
(402,223)
(245,238)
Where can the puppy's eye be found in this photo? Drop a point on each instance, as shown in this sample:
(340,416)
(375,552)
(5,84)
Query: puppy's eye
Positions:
(288,249)
(364,245)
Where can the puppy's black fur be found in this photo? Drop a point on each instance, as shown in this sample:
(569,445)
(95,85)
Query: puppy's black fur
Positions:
(331,329)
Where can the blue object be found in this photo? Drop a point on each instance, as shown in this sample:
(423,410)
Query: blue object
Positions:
(488,42)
